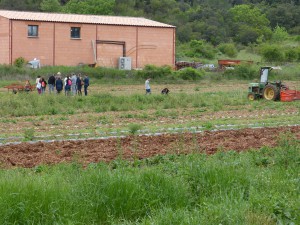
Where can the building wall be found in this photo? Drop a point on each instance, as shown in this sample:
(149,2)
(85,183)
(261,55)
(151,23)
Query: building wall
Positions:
(40,47)
(70,51)
(4,41)
(54,45)
(108,54)
(155,46)
(145,45)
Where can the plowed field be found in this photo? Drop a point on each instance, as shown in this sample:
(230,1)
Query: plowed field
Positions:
(142,146)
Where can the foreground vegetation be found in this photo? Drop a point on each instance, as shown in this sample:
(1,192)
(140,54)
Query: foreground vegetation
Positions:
(254,187)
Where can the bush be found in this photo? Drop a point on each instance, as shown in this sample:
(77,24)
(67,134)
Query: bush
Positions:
(190,74)
(201,49)
(151,71)
(291,54)
(20,62)
(228,49)
(242,72)
(279,34)
(272,53)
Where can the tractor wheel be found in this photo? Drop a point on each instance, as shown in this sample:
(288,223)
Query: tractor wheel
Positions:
(270,92)
(251,97)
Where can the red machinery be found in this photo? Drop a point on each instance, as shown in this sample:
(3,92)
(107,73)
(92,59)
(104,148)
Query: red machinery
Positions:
(289,95)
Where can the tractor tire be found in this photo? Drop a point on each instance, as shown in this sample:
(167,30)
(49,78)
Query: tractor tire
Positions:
(270,92)
(251,97)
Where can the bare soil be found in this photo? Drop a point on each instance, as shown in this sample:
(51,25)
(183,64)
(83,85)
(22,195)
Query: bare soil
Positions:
(92,151)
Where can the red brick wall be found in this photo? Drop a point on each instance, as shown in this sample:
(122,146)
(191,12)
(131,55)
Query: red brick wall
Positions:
(145,45)
(4,41)
(155,46)
(40,47)
(54,45)
(70,51)
(108,54)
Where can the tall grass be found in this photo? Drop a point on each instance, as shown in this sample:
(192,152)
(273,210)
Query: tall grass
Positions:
(32,104)
(254,187)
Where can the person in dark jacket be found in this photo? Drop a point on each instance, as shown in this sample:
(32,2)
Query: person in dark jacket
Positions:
(59,85)
(86,83)
(79,83)
(51,83)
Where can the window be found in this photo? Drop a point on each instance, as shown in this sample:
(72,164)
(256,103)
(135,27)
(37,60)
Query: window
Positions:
(75,32)
(33,30)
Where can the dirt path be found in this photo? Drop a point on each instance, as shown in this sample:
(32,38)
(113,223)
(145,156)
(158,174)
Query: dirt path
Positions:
(93,151)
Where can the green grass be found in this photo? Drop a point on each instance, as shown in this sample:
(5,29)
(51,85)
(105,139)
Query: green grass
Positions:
(34,105)
(254,187)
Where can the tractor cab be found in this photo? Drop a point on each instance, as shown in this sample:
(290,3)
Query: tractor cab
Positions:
(264,89)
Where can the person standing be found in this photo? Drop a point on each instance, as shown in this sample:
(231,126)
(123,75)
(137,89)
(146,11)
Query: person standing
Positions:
(44,85)
(68,86)
(59,85)
(79,83)
(38,84)
(74,86)
(147,86)
(51,83)
(65,84)
(86,83)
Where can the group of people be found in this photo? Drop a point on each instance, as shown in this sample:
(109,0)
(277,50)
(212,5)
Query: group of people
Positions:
(71,84)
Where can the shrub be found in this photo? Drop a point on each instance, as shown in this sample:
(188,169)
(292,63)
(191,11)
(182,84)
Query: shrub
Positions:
(242,72)
(291,54)
(134,128)
(20,62)
(228,49)
(279,34)
(151,71)
(191,74)
(201,49)
(272,53)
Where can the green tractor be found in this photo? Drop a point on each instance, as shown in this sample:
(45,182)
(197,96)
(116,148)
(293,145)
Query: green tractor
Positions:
(265,89)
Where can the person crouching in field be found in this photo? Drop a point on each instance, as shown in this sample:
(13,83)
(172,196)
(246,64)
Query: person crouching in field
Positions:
(27,86)
(165,91)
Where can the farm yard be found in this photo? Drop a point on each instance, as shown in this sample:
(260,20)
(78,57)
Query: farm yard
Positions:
(222,147)
(202,154)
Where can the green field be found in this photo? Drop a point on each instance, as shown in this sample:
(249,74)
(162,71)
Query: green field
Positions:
(251,187)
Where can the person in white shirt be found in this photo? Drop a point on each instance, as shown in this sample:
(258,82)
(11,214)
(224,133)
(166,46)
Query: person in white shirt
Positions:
(74,86)
(147,86)
(38,84)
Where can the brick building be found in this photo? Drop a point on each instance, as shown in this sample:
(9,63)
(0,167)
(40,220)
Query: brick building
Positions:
(69,39)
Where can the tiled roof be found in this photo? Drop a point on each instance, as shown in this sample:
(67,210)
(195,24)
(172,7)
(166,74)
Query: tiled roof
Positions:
(75,18)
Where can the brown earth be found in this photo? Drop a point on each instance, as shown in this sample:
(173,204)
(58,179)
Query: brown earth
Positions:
(92,151)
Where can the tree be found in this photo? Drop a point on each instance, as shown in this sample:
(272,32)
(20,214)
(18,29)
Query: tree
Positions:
(13,5)
(50,6)
(284,15)
(249,23)
(94,7)
(279,34)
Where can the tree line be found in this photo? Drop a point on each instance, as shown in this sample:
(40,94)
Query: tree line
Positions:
(215,21)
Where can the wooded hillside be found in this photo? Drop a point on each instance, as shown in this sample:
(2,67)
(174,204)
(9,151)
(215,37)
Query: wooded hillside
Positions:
(215,21)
